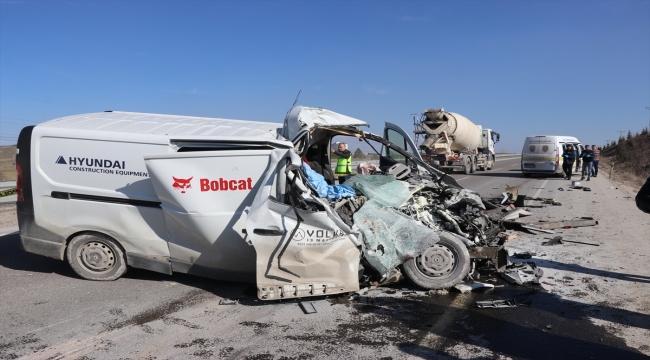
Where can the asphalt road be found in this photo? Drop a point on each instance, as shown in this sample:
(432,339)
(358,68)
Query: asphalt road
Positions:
(48,312)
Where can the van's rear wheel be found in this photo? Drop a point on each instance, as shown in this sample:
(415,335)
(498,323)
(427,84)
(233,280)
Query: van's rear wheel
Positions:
(96,257)
(441,266)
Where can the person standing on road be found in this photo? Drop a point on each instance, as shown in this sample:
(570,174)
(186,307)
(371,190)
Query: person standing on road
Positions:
(587,161)
(568,157)
(643,197)
(343,163)
(578,162)
(596,159)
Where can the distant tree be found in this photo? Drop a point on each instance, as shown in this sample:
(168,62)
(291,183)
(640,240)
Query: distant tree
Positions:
(621,139)
(644,131)
(629,135)
(358,154)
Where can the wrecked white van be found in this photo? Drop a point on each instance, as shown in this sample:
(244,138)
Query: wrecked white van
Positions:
(233,200)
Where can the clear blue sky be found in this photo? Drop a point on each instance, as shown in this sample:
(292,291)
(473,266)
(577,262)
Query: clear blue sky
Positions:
(522,68)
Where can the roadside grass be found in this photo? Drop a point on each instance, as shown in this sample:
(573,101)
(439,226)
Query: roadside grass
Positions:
(631,161)
(8,163)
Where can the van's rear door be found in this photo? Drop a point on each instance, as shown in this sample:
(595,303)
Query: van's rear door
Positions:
(300,253)
(540,155)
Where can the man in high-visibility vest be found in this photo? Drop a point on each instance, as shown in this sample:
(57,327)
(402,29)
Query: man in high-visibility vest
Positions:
(343,163)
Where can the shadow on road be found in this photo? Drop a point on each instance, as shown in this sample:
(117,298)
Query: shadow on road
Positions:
(549,327)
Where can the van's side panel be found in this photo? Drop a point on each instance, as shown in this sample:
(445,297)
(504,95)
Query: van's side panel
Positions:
(95,181)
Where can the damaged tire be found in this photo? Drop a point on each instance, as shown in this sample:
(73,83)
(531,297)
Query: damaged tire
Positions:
(96,257)
(441,266)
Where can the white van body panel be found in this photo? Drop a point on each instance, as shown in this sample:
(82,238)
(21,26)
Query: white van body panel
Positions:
(542,154)
(89,174)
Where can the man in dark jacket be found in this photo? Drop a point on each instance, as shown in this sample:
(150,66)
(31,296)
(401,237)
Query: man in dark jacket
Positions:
(568,157)
(587,157)
(643,197)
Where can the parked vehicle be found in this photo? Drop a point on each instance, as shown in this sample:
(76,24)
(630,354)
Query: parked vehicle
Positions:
(541,154)
(231,199)
(453,143)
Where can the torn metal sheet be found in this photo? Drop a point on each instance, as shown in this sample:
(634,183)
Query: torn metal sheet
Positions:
(523,273)
(530,227)
(496,304)
(515,214)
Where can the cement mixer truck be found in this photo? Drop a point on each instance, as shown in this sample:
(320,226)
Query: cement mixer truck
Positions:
(451,142)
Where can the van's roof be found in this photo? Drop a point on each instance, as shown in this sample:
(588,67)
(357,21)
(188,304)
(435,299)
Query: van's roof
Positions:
(563,137)
(172,125)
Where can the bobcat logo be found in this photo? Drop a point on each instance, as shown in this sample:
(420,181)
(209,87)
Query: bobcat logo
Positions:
(182,184)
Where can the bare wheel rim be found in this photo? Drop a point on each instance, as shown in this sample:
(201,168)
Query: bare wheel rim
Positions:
(96,257)
(436,261)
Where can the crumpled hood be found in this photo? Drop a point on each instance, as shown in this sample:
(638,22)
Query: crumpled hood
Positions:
(301,119)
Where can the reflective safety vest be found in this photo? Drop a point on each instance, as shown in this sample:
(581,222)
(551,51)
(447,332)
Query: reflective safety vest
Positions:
(343,166)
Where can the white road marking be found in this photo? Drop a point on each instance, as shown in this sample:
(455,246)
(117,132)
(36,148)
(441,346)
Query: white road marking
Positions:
(498,169)
(540,189)
(466,177)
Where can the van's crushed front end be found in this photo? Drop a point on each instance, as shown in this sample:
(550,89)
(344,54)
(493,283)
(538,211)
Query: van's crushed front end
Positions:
(407,219)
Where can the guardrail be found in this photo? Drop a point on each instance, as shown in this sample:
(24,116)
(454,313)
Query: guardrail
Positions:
(506,156)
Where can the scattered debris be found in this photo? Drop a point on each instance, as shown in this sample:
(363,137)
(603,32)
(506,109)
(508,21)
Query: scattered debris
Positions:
(586,189)
(522,273)
(554,241)
(469,287)
(510,303)
(515,214)
(307,307)
(511,237)
(524,255)
(563,224)
(549,326)
(390,291)
(558,240)
(228,301)
(531,227)
(561,189)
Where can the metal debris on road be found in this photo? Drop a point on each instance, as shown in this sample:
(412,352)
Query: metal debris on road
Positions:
(510,303)
(469,287)
(307,307)
(522,273)
(531,227)
(228,301)
(554,241)
(562,224)
(524,255)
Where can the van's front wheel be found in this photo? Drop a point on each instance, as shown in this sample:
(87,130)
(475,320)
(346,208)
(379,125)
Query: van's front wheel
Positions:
(441,266)
(96,257)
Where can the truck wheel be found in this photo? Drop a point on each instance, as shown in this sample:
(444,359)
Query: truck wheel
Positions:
(441,266)
(467,166)
(490,162)
(472,166)
(96,257)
